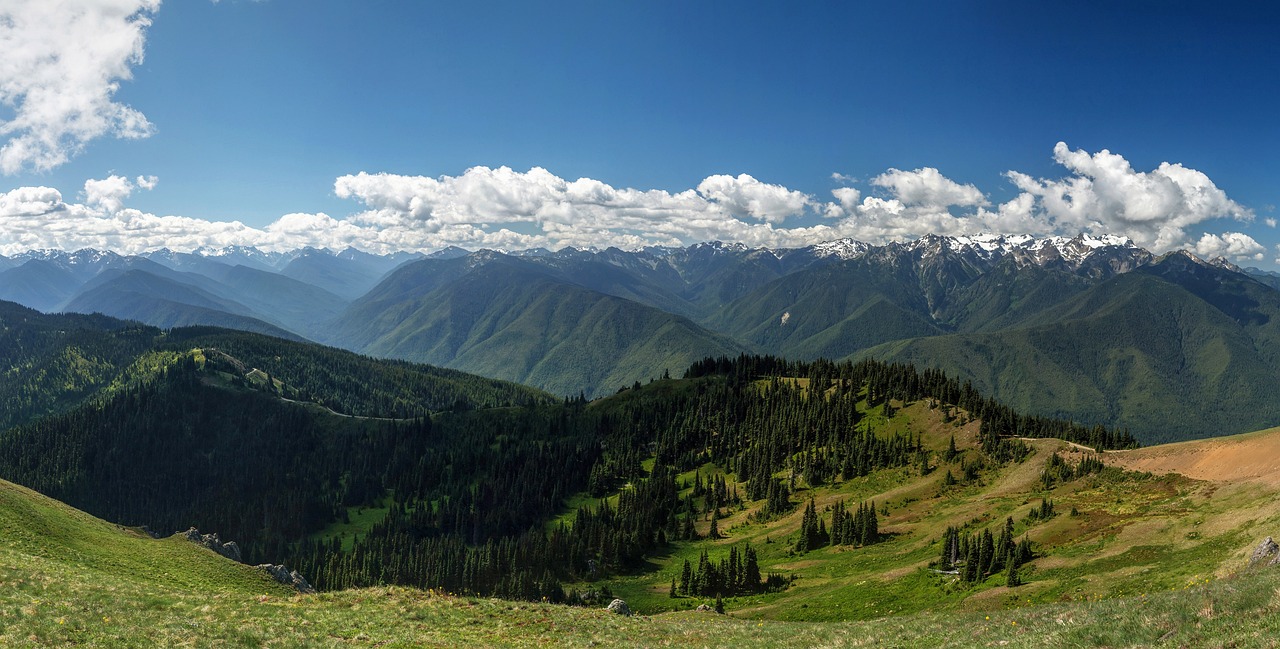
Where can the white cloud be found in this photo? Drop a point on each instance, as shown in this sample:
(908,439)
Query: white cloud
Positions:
(1105,194)
(502,208)
(109,193)
(61,62)
(1271,223)
(1232,245)
(928,187)
(746,195)
(29,202)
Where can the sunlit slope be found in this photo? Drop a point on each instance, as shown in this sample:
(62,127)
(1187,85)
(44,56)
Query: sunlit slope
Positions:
(1118,533)
(67,578)
(1251,457)
(47,540)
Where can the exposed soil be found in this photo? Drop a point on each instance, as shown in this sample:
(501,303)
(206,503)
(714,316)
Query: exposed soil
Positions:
(1254,457)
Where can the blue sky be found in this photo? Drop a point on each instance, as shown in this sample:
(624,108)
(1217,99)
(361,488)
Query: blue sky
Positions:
(360,120)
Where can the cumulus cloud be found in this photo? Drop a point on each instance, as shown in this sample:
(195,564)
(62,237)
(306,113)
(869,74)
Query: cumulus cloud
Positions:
(109,193)
(1105,194)
(29,201)
(1232,245)
(583,212)
(928,187)
(61,63)
(746,195)
(503,208)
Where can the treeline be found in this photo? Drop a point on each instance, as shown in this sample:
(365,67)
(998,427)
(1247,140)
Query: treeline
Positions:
(755,430)
(469,491)
(1057,470)
(358,385)
(905,383)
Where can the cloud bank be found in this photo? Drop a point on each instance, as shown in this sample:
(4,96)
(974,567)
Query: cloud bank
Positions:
(1100,193)
(61,63)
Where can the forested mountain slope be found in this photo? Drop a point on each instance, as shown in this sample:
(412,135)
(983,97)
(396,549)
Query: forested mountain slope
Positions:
(53,362)
(511,319)
(1032,320)
(201,442)
(1174,350)
(161,302)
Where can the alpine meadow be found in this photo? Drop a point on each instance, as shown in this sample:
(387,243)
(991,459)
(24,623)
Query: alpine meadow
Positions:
(336,324)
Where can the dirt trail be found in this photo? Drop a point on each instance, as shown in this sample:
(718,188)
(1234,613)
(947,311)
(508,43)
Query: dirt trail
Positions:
(1252,457)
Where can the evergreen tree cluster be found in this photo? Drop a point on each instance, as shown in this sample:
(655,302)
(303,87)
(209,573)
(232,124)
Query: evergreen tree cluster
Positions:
(1058,471)
(858,528)
(903,382)
(1042,513)
(975,557)
(468,490)
(736,574)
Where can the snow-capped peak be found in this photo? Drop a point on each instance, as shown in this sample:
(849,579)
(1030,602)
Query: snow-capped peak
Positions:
(842,248)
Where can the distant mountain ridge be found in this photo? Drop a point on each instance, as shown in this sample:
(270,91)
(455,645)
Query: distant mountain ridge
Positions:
(596,320)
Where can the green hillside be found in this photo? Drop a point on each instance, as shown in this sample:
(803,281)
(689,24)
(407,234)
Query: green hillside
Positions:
(1140,351)
(513,321)
(1159,563)
(54,362)
(50,363)
(830,311)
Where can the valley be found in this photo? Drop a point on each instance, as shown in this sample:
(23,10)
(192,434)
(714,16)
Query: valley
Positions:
(787,492)
(1093,329)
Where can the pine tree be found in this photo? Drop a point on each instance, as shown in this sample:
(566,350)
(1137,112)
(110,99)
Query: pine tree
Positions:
(808,539)
(871,526)
(986,553)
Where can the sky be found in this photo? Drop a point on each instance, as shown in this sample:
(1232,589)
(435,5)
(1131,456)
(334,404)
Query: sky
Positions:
(133,125)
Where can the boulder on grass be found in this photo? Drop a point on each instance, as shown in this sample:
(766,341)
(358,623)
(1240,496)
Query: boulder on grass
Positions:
(1266,554)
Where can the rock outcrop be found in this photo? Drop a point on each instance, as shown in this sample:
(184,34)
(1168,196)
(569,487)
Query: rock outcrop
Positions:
(1266,554)
(229,549)
(291,577)
(620,607)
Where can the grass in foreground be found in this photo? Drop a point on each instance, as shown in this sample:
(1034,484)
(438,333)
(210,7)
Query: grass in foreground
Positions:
(44,603)
(67,579)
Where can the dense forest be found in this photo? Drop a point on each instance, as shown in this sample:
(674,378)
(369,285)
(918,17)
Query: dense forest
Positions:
(468,491)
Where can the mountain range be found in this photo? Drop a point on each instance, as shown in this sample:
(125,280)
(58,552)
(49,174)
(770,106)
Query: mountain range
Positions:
(1091,328)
